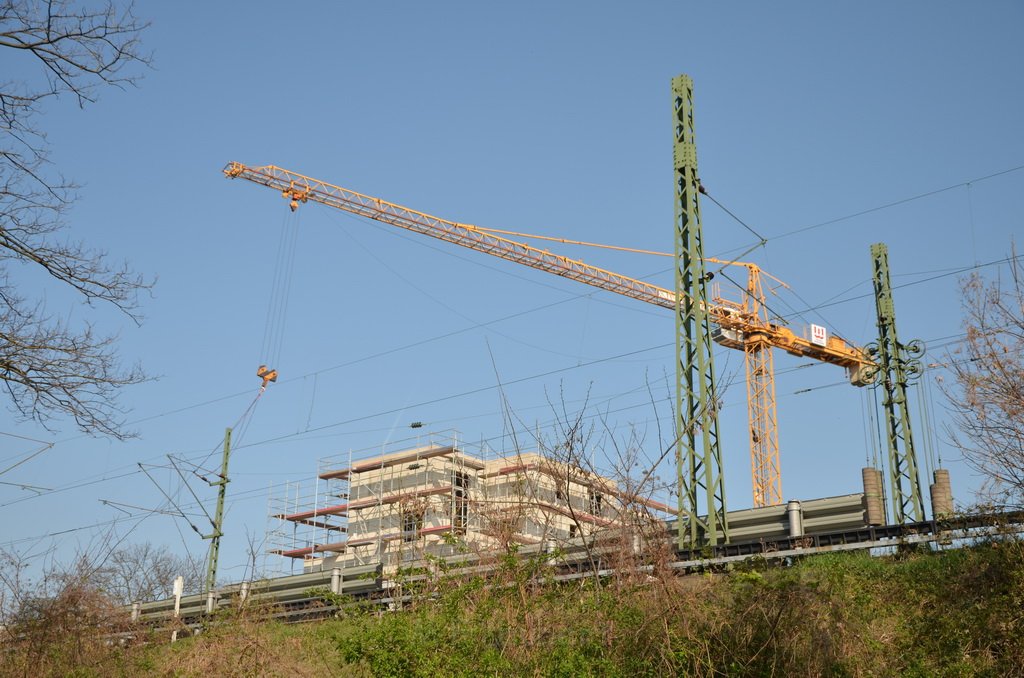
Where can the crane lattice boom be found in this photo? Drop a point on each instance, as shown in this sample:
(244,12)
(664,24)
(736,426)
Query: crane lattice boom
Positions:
(742,326)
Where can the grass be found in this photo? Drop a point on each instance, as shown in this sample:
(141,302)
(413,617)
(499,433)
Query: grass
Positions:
(955,613)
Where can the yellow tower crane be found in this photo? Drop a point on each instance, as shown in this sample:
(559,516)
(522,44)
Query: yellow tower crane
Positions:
(744,326)
(756,344)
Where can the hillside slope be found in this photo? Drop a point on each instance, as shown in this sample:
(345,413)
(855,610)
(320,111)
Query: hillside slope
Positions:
(957,613)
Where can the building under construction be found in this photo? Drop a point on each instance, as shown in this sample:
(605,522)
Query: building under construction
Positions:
(437,499)
(403,507)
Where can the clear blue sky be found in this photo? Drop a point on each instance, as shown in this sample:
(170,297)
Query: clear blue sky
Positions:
(541,117)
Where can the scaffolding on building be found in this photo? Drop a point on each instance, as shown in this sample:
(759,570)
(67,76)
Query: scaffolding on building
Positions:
(397,503)
(313,523)
(372,506)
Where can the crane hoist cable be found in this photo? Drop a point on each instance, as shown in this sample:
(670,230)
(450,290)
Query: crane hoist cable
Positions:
(241,424)
(277,305)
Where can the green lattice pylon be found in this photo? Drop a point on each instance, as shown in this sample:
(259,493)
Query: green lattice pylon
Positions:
(701,483)
(218,517)
(897,364)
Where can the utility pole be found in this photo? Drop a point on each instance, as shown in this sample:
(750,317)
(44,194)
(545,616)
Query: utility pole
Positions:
(897,364)
(701,483)
(218,517)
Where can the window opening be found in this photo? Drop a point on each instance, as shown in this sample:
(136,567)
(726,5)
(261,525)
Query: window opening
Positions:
(460,512)
(412,523)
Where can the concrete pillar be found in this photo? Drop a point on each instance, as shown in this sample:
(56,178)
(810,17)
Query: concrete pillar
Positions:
(874,506)
(795,518)
(942,494)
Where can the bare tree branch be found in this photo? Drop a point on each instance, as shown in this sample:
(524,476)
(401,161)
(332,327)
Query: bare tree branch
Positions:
(48,367)
(987,396)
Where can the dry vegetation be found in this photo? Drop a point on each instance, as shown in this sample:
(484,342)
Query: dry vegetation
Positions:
(950,613)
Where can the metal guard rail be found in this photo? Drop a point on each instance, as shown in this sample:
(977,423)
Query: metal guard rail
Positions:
(295,593)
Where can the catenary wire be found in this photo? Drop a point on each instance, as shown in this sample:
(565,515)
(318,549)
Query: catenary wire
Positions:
(804,229)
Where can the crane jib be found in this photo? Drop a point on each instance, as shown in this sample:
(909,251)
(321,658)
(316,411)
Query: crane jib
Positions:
(302,188)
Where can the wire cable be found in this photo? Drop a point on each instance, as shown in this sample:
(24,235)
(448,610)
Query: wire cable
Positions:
(725,209)
(421,290)
(958,271)
(475,391)
(895,203)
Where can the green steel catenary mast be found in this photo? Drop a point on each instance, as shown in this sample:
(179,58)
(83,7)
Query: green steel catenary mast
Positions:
(701,482)
(218,518)
(897,364)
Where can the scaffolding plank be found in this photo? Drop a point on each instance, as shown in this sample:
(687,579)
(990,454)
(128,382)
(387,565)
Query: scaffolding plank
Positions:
(397,497)
(402,458)
(322,525)
(394,536)
(343,509)
(336,510)
(338,547)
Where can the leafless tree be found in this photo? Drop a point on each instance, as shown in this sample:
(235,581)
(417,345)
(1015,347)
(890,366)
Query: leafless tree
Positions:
(142,572)
(58,621)
(54,367)
(987,393)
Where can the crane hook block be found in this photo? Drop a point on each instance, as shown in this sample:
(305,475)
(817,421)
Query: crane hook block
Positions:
(294,195)
(267,375)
